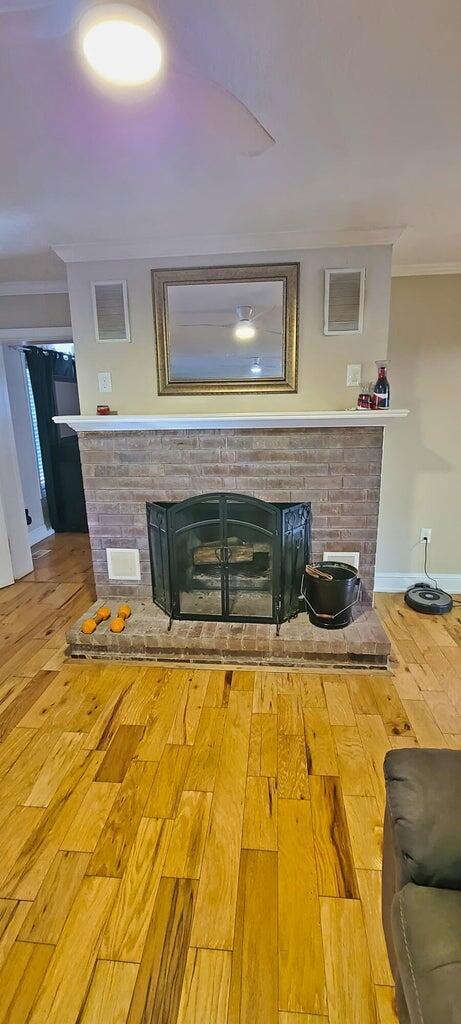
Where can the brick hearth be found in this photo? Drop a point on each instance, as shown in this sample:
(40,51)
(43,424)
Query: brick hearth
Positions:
(337,469)
(363,644)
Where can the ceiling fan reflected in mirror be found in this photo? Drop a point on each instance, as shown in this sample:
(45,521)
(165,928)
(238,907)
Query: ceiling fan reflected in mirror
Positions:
(243,327)
(124,46)
(244,330)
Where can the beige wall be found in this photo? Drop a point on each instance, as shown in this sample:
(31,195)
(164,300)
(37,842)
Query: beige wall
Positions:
(34,311)
(422,456)
(322,360)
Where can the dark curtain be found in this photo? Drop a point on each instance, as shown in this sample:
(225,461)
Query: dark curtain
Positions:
(54,386)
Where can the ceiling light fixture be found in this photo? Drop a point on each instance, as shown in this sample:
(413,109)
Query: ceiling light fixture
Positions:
(244,330)
(121,44)
(256,366)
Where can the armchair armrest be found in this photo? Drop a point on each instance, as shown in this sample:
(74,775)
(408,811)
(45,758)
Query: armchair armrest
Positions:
(424,815)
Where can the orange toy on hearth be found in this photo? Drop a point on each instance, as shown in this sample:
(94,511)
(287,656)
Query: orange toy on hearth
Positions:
(102,614)
(117,625)
(89,626)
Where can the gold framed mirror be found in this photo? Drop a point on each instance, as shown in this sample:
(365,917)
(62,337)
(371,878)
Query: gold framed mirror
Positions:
(226,329)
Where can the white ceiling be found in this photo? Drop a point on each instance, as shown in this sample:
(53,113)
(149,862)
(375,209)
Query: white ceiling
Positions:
(222,298)
(362,97)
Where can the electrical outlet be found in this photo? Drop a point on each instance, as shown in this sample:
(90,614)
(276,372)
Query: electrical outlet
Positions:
(354,375)
(104,381)
(426,534)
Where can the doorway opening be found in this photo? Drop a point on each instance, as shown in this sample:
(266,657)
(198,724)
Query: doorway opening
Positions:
(42,383)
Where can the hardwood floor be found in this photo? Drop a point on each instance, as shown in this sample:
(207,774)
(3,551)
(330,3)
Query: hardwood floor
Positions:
(196,846)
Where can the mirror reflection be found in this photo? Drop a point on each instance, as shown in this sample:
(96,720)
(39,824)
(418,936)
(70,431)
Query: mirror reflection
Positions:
(226,328)
(226,331)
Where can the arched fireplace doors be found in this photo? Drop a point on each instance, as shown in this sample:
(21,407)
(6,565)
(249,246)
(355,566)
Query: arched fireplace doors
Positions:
(228,557)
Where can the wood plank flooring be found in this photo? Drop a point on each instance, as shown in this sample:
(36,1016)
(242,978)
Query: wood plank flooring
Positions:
(196,846)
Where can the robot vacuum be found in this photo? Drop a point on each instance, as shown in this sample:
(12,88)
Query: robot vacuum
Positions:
(428,600)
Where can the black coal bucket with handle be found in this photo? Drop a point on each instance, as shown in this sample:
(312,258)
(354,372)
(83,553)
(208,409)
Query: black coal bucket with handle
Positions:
(330,590)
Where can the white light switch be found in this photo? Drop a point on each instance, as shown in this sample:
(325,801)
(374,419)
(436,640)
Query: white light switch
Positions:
(354,375)
(104,381)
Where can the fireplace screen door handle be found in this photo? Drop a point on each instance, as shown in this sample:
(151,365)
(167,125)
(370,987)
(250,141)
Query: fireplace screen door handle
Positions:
(223,555)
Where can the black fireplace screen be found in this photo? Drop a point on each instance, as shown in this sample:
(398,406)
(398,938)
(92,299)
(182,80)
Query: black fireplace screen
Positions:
(228,556)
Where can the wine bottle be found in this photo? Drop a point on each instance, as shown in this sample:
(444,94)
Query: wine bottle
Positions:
(381,392)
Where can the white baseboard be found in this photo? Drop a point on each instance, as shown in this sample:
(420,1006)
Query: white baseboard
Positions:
(397,582)
(40,533)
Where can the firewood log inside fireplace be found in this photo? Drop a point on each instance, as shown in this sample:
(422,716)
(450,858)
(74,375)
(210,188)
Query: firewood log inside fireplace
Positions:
(210,554)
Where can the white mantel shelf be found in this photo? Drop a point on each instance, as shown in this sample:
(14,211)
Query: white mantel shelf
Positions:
(238,421)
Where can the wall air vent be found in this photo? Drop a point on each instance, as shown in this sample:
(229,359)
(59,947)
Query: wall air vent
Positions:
(349,557)
(344,301)
(123,564)
(110,308)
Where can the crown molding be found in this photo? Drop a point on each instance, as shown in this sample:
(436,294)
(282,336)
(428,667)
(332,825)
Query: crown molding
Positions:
(33,287)
(27,335)
(216,245)
(425,269)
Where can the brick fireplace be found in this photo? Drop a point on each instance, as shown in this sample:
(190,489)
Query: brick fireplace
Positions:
(328,462)
(336,469)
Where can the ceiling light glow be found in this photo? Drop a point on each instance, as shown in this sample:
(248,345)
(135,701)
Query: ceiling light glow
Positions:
(121,45)
(244,331)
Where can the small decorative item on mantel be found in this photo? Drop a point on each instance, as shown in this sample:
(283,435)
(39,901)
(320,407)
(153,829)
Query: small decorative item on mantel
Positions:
(381,397)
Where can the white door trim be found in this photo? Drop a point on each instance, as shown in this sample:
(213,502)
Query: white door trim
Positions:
(10,487)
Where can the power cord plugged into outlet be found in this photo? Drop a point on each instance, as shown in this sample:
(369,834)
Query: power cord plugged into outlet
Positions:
(431,600)
(425,541)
